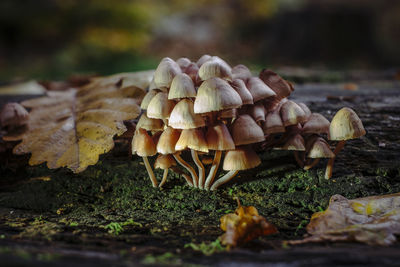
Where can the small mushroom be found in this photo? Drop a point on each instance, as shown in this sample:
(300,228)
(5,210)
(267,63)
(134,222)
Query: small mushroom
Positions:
(281,87)
(317,148)
(242,158)
(181,87)
(144,146)
(165,72)
(160,107)
(345,125)
(218,139)
(292,114)
(244,93)
(164,162)
(316,124)
(245,130)
(241,72)
(215,68)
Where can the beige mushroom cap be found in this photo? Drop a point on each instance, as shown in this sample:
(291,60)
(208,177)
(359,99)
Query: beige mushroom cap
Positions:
(219,138)
(241,72)
(273,122)
(295,143)
(166,143)
(183,62)
(192,70)
(281,87)
(147,98)
(193,139)
(149,124)
(258,89)
(317,147)
(257,111)
(165,72)
(292,114)
(160,107)
(143,144)
(203,59)
(215,68)
(317,123)
(346,125)
(183,116)
(181,87)
(242,158)
(216,94)
(241,89)
(306,110)
(245,130)
(164,162)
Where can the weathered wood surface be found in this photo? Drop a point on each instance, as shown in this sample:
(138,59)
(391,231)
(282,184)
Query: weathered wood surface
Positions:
(377,104)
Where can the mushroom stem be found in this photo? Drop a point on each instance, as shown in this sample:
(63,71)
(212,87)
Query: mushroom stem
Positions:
(164,178)
(298,159)
(224,179)
(329,166)
(187,167)
(313,163)
(200,166)
(150,171)
(213,169)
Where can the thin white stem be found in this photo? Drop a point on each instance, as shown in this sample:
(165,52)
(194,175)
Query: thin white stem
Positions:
(329,166)
(213,169)
(150,172)
(313,163)
(200,166)
(187,167)
(164,178)
(224,179)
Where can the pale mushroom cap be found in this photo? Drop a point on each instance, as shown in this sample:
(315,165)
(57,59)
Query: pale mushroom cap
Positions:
(181,87)
(292,114)
(317,147)
(214,68)
(241,72)
(317,123)
(149,124)
(346,125)
(183,62)
(258,89)
(306,110)
(192,71)
(183,116)
(257,111)
(245,130)
(193,139)
(143,144)
(13,114)
(147,98)
(242,158)
(166,143)
(241,89)
(164,162)
(216,94)
(273,123)
(281,87)
(160,107)
(219,138)
(295,143)
(152,85)
(203,59)
(165,72)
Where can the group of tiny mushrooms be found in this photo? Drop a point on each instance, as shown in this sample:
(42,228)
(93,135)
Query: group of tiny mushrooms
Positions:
(210,109)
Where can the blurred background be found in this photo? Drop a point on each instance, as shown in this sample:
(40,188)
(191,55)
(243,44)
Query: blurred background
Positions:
(53,39)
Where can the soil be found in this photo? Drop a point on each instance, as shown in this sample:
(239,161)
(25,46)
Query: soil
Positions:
(111,215)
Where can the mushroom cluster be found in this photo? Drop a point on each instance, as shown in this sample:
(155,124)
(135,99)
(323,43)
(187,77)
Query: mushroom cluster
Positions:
(209,111)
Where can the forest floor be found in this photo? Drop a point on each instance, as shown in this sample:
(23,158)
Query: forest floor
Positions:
(111,215)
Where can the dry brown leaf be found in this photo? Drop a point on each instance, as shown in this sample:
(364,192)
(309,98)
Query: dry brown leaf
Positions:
(373,220)
(72,128)
(244,225)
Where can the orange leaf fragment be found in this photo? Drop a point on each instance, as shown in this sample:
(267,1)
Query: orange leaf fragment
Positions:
(244,225)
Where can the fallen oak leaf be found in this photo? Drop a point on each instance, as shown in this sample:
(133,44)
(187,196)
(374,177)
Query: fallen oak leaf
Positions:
(373,220)
(244,225)
(72,128)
